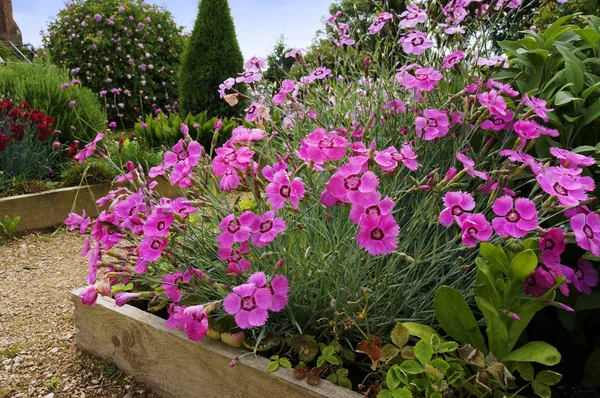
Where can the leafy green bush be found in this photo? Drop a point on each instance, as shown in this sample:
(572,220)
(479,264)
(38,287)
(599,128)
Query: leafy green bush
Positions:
(561,65)
(7,54)
(40,85)
(126,50)
(166,130)
(211,55)
(101,170)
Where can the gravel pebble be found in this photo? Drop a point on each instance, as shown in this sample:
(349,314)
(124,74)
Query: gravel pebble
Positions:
(38,356)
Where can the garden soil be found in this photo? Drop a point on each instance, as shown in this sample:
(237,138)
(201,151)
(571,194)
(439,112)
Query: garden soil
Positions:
(38,357)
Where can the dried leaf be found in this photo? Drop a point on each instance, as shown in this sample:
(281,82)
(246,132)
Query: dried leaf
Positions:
(231,99)
(484,381)
(300,373)
(497,372)
(472,355)
(314,376)
(372,350)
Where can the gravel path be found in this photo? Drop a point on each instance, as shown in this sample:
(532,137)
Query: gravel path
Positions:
(38,357)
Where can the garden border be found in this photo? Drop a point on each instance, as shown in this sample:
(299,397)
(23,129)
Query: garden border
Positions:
(51,208)
(140,344)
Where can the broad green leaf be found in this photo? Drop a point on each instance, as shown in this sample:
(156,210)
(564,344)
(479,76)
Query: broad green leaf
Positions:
(272,366)
(440,365)
(400,335)
(496,330)
(285,363)
(591,374)
(432,371)
(574,75)
(586,93)
(423,351)
(587,302)
(522,265)
(392,379)
(548,377)
(385,394)
(449,346)
(592,113)
(590,35)
(563,97)
(401,393)
(456,318)
(534,351)
(423,332)
(345,382)
(389,351)
(526,371)
(541,390)
(494,255)
(333,360)
(412,367)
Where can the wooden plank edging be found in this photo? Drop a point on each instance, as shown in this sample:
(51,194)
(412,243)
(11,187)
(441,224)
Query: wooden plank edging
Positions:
(140,344)
(51,208)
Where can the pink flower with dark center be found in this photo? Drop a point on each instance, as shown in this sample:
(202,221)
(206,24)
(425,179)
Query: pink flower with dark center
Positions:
(493,61)
(229,158)
(424,79)
(237,230)
(193,320)
(255,64)
(89,149)
(475,228)
(498,123)
(380,21)
(378,234)
(493,102)
(280,288)
(369,204)
(249,305)
(158,224)
(150,248)
(237,264)
(396,107)
(538,105)
(412,16)
(586,277)
(248,77)
(587,231)
(169,283)
(320,146)
(434,122)
(182,151)
(129,210)
(552,245)
(570,159)
(538,282)
(295,53)
(181,174)
(348,179)
(268,228)
(566,184)
(415,43)
(282,188)
(389,158)
(242,134)
(270,171)
(529,130)
(457,204)
(516,218)
(319,74)
(453,59)
(287,86)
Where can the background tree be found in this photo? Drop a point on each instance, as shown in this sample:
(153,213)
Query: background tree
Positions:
(212,54)
(279,65)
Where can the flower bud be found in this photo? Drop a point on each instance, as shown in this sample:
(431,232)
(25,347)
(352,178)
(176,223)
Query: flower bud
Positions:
(515,245)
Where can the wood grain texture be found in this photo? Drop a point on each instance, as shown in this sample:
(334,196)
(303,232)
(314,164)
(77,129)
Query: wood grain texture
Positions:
(51,208)
(173,366)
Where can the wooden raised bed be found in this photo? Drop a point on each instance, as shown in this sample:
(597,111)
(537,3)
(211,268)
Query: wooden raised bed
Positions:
(51,208)
(140,344)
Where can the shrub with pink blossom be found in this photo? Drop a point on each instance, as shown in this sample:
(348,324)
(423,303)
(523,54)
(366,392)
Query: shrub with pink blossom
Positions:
(355,197)
(127,51)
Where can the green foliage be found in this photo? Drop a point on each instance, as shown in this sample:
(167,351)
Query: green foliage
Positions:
(276,362)
(142,63)
(8,226)
(100,170)
(40,85)
(6,53)
(279,65)
(211,56)
(560,65)
(165,130)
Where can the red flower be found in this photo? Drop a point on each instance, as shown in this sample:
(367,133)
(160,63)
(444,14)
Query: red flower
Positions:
(73,150)
(3,141)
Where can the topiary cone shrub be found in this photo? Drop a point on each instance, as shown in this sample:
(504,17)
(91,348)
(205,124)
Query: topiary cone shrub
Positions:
(211,55)
(125,50)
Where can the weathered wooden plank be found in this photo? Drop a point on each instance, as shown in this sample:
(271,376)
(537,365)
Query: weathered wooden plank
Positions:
(173,366)
(51,208)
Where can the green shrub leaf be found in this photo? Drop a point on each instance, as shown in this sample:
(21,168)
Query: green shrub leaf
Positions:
(535,351)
